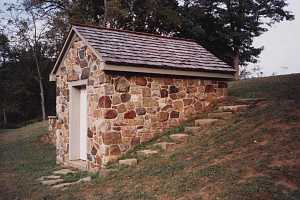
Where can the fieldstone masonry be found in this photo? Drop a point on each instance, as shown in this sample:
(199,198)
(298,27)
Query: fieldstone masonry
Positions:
(124,109)
(52,121)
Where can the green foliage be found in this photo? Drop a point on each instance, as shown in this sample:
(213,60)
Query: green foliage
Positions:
(20,90)
(228,27)
(4,49)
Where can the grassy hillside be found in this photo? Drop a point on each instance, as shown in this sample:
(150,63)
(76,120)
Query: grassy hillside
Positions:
(284,87)
(23,159)
(254,155)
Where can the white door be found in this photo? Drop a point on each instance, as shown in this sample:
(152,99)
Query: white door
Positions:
(83,123)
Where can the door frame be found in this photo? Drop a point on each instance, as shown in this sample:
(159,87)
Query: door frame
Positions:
(74,118)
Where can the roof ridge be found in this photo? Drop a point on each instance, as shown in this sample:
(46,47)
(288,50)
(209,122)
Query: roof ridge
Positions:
(133,32)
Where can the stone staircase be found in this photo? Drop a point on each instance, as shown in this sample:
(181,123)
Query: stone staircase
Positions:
(57,180)
(197,126)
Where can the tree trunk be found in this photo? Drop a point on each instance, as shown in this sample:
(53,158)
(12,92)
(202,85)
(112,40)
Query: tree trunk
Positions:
(236,64)
(131,6)
(4,118)
(105,14)
(34,48)
(42,93)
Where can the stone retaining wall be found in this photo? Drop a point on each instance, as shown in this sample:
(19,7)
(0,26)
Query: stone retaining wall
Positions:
(124,109)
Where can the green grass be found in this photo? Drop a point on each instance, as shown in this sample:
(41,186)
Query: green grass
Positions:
(24,159)
(285,87)
(72,177)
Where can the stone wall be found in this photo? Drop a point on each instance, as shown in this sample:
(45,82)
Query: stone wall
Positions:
(52,129)
(125,109)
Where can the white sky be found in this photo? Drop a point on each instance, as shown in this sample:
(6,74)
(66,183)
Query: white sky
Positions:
(282,45)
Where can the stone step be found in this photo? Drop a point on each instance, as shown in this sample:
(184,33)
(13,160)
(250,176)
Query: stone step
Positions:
(251,100)
(235,108)
(146,153)
(85,179)
(179,137)
(166,146)
(62,185)
(63,171)
(48,177)
(78,164)
(52,182)
(220,115)
(205,122)
(128,162)
(193,129)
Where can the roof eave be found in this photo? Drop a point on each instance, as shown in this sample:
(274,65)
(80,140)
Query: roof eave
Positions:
(178,72)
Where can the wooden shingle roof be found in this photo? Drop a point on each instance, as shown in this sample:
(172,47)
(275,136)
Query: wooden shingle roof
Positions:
(131,48)
(128,51)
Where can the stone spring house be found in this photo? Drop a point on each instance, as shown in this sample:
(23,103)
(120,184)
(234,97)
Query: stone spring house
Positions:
(117,89)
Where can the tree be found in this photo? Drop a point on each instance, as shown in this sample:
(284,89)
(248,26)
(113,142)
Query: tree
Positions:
(12,93)
(234,24)
(152,16)
(28,29)
(4,49)
(4,53)
(157,16)
(78,11)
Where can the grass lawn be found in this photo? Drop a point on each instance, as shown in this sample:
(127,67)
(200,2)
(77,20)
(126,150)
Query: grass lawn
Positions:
(254,155)
(23,159)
